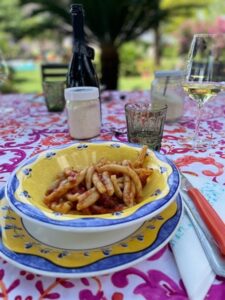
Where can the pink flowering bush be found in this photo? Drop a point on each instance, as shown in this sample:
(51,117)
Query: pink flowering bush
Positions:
(190,27)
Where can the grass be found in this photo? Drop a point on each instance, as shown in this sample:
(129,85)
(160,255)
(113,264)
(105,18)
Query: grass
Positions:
(30,82)
(134,83)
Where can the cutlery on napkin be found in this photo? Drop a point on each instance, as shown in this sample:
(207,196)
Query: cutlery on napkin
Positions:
(216,260)
(192,262)
(211,218)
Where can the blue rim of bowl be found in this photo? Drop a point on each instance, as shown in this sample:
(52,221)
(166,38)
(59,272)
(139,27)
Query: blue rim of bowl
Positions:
(143,213)
(42,266)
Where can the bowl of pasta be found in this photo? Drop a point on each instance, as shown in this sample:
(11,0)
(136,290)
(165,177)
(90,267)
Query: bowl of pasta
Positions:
(87,187)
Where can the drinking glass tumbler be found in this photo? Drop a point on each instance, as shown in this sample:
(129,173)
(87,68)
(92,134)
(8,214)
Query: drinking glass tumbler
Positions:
(145,123)
(54,95)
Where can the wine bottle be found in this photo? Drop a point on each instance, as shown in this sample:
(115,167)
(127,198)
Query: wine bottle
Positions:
(81,71)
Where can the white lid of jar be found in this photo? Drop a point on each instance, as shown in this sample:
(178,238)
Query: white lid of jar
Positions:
(169,73)
(81,93)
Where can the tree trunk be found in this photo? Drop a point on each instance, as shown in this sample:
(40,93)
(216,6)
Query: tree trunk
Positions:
(109,66)
(157,45)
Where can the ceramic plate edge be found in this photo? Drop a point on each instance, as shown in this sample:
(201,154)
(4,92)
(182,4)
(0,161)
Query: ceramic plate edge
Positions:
(96,273)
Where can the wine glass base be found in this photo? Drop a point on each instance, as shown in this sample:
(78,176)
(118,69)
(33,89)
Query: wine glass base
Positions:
(191,143)
(201,144)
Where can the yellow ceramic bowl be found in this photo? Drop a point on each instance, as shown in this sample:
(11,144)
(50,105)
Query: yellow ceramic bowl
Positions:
(26,187)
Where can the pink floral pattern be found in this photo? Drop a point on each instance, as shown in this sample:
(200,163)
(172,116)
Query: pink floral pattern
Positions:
(27,128)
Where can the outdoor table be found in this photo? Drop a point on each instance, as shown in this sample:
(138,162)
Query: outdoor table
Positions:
(26,128)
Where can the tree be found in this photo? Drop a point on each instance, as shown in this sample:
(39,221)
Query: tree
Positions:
(9,20)
(110,23)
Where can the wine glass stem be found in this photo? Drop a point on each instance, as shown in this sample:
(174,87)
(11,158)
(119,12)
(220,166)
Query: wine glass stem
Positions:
(197,125)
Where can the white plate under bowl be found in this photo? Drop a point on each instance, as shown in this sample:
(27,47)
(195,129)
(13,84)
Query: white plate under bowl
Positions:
(22,249)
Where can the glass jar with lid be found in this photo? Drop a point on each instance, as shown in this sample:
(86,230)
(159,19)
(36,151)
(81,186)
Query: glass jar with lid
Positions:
(166,88)
(83,110)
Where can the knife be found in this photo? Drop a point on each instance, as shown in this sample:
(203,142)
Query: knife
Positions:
(212,220)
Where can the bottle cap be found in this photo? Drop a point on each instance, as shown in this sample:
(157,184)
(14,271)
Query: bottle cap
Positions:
(81,93)
(76,8)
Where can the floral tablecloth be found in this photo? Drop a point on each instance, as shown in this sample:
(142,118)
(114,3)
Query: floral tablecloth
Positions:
(27,128)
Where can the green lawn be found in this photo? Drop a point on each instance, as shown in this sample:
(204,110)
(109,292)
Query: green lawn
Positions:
(30,82)
(134,83)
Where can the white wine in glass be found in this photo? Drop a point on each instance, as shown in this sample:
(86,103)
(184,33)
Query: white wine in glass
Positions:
(202,92)
(204,73)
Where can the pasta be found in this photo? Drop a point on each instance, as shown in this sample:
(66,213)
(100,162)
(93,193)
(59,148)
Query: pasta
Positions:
(104,187)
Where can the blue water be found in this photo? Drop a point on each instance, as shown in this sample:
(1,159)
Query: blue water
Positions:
(23,65)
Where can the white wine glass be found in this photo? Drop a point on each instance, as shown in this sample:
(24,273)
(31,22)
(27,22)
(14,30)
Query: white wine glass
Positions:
(205,74)
(4,72)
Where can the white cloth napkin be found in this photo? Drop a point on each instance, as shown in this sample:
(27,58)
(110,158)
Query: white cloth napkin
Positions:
(191,260)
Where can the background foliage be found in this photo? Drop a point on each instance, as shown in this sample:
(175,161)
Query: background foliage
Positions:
(37,30)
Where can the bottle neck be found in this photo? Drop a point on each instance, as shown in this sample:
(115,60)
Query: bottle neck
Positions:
(77,14)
